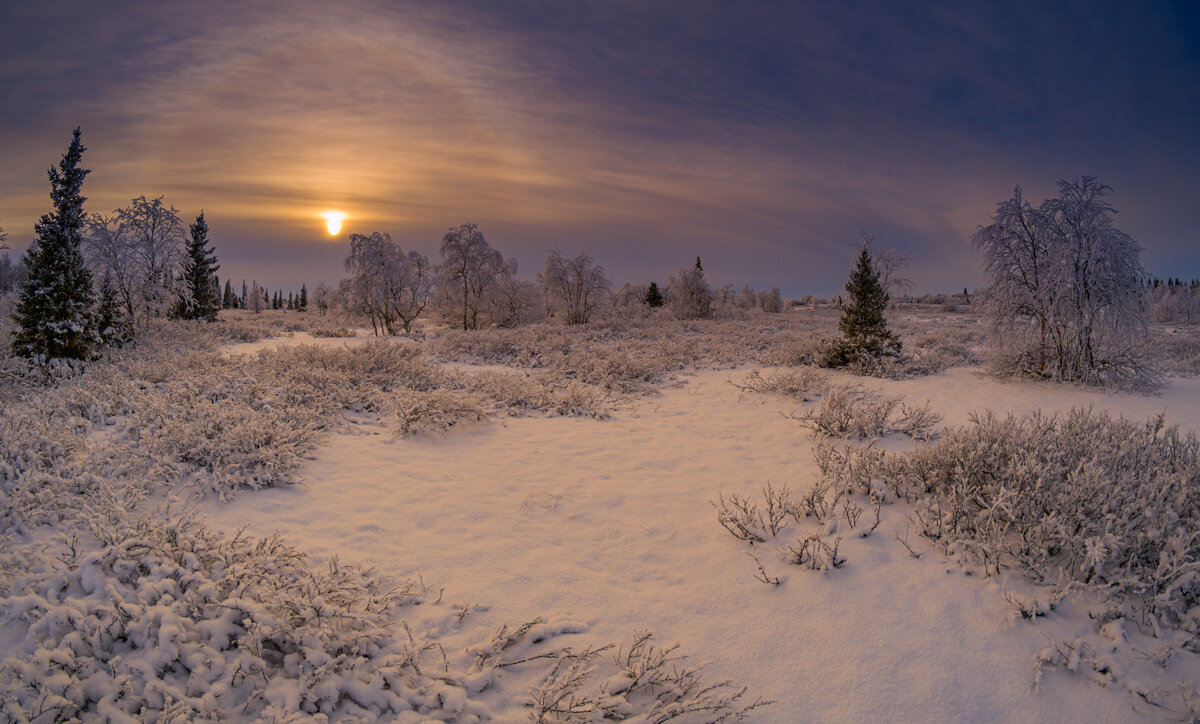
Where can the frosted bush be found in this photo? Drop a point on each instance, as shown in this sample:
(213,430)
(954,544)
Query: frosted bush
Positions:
(801,384)
(854,412)
(1178,349)
(137,613)
(1109,503)
(420,412)
(654,681)
(746,520)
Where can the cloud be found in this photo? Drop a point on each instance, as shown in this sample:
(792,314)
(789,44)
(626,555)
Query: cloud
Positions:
(763,136)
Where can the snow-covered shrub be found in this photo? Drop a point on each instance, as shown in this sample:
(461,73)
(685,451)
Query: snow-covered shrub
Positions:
(630,355)
(853,467)
(855,412)
(332,331)
(137,613)
(815,552)
(424,411)
(648,680)
(1178,350)
(1107,502)
(745,520)
(803,384)
(160,619)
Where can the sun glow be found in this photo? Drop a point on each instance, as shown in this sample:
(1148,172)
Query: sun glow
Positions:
(333,221)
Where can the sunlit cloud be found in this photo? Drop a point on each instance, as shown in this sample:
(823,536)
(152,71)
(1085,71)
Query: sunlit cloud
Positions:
(764,140)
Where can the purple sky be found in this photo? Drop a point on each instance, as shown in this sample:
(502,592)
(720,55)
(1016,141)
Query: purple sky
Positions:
(763,137)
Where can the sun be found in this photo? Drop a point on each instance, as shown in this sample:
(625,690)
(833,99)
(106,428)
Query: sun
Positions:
(333,221)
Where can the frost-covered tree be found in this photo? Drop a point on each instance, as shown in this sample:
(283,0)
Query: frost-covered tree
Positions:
(888,265)
(142,247)
(322,296)
(1063,287)
(386,284)
(156,238)
(865,334)
(770,302)
(257,299)
(469,268)
(654,297)
(12,274)
(511,302)
(574,286)
(688,294)
(110,316)
(198,292)
(54,313)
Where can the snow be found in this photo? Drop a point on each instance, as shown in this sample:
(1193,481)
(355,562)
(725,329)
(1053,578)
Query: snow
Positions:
(607,524)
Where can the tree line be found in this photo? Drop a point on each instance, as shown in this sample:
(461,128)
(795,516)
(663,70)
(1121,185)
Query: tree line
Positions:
(474,285)
(1065,289)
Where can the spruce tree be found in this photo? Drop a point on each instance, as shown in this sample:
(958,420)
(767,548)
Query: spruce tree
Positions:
(654,297)
(302,304)
(199,272)
(54,313)
(227,297)
(865,335)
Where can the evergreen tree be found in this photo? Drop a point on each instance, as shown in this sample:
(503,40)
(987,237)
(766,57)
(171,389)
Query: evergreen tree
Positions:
(302,304)
(199,271)
(227,298)
(111,322)
(291,301)
(244,297)
(865,335)
(54,313)
(698,264)
(654,297)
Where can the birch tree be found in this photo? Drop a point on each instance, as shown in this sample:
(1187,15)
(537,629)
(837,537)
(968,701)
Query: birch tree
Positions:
(575,286)
(1063,287)
(386,284)
(469,267)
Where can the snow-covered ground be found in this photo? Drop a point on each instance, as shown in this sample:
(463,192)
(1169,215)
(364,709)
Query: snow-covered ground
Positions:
(609,523)
(576,493)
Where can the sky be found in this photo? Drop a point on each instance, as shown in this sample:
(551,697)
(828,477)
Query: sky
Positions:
(764,137)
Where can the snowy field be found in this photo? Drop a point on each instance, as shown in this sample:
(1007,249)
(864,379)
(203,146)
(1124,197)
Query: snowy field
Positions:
(535,496)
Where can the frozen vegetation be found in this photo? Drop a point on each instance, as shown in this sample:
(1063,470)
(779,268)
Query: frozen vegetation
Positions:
(489,523)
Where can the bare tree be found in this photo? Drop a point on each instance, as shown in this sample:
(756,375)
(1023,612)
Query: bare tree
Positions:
(256,301)
(322,296)
(511,301)
(1063,287)
(468,269)
(688,294)
(11,275)
(576,286)
(888,265)
(141,247)
(386,284)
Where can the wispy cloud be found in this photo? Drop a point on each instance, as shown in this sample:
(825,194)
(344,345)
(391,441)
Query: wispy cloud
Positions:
(762,136)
